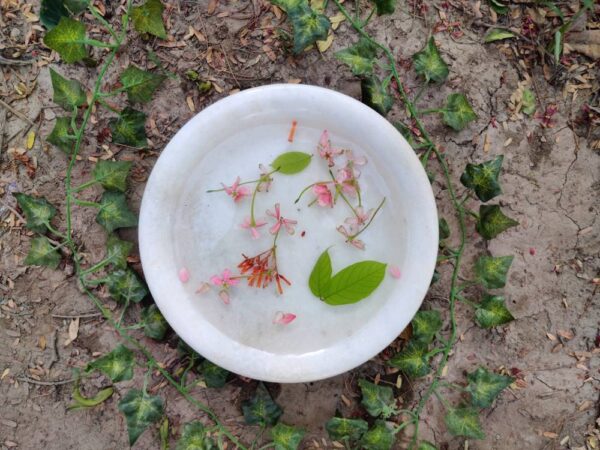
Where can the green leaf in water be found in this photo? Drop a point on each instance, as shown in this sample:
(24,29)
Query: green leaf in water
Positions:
(290,163)
(321,274)
(353,283)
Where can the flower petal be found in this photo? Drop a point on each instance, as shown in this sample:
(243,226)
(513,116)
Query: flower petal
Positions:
(203,288)
(224,296)
(282,318)
(395,271)
(216,280)
(184,275)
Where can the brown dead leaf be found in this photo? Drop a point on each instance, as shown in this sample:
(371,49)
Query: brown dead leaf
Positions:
(585,42)
(551,336)
(324,45)
(42,342)
(73,331)
(212,6)
(585,405)
(566,334)
(550,434)
(190,102)
(5,373)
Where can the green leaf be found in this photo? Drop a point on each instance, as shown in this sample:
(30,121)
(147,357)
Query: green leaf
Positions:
(61,135)
(114,212)
(380,437)
(444,229)
(360,57)
(261,409)
(492,221)
(81,402)
(485,386)
(492,312)
(214,376)
(117,251)
(425,445)
(140,84)
(112,175)
(163,433)
(384,6)
(38,211)
(42,253)
(308,25)
(76,6)
(528,102)
(375,95)
(117,365)
(155,325)
(498,6)
(342,429)
(128,128)
(497,34)
(353,283)
(125,286)
(412,360)
(68,39)
(140,410)
(429,63)
(491,271)
(286,437)
(51,11)
(377,400)
(289,163)
(483,178)
(557,46)
(425,325)
(147,18)
(194,437)
(321,274)
(464,421)
(67,93)
(458,112)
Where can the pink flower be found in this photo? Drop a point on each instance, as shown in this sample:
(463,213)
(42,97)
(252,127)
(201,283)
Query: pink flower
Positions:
(350,239)
(235,191)
(184,275)
(203,288)
(345,178)
(247,223)
(224,296)
(287,223)
(224,280)
(395,271)
(282,318)
(360,219)
(325,149)
(265,179)
(353,161)
(324,197)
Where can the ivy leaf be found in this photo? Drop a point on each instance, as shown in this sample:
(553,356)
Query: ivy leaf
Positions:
(384,6)
(425,325)
(114,212)
(155,325)
(42,253)
(68,39)
(128,128)
(194,437)
(498,6)
(360,57)
(51,11)
(380,437)
(140,84)
(147,18)
(67,93)
(38,211)
(492,221)
(286,437)
(426,445)
(342,429)
(140,410)
(353,283)
(497,34)
(412,360)
(485,386)
(125,286)
(444,229)
(464,421)
(308,25)
(491,271)
(483,178)
(214,376)
(375,95)
(76,6)
(528,102)
(321,274)
(81,402)
(289,163)
(261,409)
(377,400)
(492,312)
(61,135)
(112,175)
(117,365)
(429,63)
(117,251)
(458,112)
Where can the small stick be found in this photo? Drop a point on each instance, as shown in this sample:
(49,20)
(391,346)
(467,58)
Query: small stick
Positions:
(13,210)
(16,62)
(45,383)
(292,131)
(54,357)
(75,316)
(15,112)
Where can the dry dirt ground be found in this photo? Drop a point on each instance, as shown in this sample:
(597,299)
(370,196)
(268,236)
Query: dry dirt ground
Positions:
(551,183)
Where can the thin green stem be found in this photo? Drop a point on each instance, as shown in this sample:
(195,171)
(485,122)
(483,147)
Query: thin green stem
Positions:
(54,231)
(430,111)
(107,106)
(83,186)
(95,43)
(368,19)
(96,266)
(309,187)
(369,222)
(420,92)
(467,302)
(252,220)
(103,21)
(442,399)
(86,203)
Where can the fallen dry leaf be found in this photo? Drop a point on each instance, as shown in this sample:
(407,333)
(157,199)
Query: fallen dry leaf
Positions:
(585,42)
(323,46)
(566,334)
(550,434)
(73,331)
(42,342)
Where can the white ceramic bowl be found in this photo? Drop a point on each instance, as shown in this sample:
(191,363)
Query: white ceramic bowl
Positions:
(181,226)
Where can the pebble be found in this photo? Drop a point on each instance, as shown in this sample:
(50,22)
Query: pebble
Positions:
(8,423)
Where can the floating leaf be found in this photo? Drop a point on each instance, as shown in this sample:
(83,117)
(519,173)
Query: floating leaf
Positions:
(412,360)
(342,429)
(42,253)
(67,93)
(491,271)
(497,34)
(384,6)
(485,386)
(290,163)
(429,63)
(321,274)
(375,95)
(464,421)
(38,211)
(155,325)
(125,286)
(147,18)
(286,437)
(353,283)
(114,212)
(425,325)
(380,437)
(140,84)
(81,402)
(444,229)
(117,251)
(360,57)
(458,112)
(112,175)
(425,445)
(261,409)
(498,7)
(214,376)
(377,400)
(61,135)
(492,221)
(483,178)
(492,312)
(140,410)
(194,437)
(128,128)
(117,365)
(528,102)
(68,39)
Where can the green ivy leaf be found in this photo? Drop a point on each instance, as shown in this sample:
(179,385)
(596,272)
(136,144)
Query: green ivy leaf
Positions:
(384,6)
(147,18)
(342,429)
(112,175)
(444,229)
(528,102)
(194,437)
(51,11)
(81,402)
(360,57)
(155,325)
(125,286)
(42,253)
(377,400)
(412,360)
(286,437)
(321,274)
(67,93)
(140,410)
(485,386)
(163,434)
(379,437)
(38,211)
(458,112)
(61,135)
(117,251)
(290,163)
(483,178)
(261,409)
(425,325)
(68,39)
(375,95)
(491,271)
(498,7)
(492,312)
(76,6)
(425,445)
(214,376)
(353,283)
(429,63)
(128,128)
(117,365)
(114,212)
(464,421)
(492,221)
(497,34)
(140,84)
(308,25)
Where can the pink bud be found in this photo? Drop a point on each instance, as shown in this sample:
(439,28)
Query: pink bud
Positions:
(184,275)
